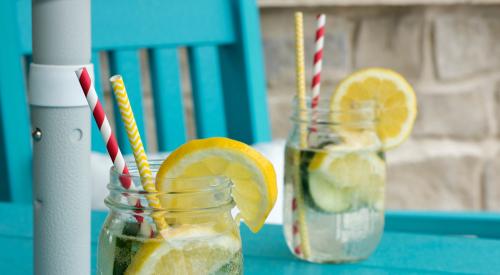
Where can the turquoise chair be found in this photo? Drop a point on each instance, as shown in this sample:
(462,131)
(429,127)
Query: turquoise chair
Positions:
(225,58)
(222,38)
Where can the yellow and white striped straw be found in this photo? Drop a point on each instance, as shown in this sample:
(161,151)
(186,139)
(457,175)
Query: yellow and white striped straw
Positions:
(302,107)
(134,138)
(300,76)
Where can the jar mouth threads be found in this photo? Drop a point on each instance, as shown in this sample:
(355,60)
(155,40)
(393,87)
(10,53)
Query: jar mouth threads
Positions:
(354,125)
(184,195)
(365,118)
(362,115)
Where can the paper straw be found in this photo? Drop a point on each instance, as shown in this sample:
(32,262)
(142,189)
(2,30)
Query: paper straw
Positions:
(134,138)
(110,141)
(317,66)
(299,225)
(300,75)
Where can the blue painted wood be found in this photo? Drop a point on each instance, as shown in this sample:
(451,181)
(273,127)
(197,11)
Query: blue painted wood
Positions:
(97,143)
(15,143)
(481,224)
(167,98)
(27,61)
(243,78)
(23,19)
(226,30)
(160,23)
(398,253)
(207,91)
(266,252)
(127,64)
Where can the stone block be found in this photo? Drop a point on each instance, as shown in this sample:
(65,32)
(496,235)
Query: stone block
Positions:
(492,184)
(463,114)
(149,122)
(463,46)
(496,113)
(279,46)
(394,41)
(280,110)
(435,176)
(190,120)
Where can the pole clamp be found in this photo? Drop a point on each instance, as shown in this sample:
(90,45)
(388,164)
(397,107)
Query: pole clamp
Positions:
(56,85)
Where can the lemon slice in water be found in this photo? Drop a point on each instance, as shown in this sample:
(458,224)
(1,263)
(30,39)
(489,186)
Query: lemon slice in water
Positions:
(188,250)
(340,181)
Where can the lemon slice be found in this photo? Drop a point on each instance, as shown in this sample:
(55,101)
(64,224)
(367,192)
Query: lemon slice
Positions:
(188,250)
(394,98)
(339,181)
(252,174)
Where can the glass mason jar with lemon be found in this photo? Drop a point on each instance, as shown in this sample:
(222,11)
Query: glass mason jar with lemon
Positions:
(198,186)
(335,170)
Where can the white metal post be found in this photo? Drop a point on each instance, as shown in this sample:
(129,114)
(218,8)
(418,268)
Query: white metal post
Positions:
(61,138)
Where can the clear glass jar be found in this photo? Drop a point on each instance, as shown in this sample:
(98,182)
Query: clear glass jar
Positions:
(335,177)
(202,236)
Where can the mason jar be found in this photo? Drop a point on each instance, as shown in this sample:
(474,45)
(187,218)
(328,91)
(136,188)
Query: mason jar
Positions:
(335,176)
(201,236)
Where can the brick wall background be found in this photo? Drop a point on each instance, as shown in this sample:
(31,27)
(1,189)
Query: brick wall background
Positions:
(449,53)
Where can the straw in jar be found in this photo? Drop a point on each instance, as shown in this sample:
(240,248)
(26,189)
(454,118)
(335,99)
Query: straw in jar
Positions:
(111,143)
(140,156)
(317,67)
(300,232)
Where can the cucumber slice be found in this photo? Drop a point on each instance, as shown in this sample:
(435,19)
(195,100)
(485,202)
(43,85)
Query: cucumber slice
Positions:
(327,196)
(124,249)
(339,181)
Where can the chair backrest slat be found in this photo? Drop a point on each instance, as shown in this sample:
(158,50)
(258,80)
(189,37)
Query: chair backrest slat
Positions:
(207,91)
(97,144)
(15,143)
(127,64)
(160,23)
(118,24)
(243,78)
(225,61)
(23,19)
(167,98)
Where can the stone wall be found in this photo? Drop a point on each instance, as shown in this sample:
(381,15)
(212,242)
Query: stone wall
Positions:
(449,53)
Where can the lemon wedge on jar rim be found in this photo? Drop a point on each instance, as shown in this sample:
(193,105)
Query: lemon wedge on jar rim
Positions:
(394,99)
(253,176)
(254,191)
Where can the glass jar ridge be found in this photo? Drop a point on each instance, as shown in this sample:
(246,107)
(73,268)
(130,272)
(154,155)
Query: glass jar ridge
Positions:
(201,227)
(351,125)
(210,192)
(335,177)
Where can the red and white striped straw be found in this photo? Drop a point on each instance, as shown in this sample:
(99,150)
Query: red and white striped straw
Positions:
(109,139)
(316,87)
(297,244)
(317,64)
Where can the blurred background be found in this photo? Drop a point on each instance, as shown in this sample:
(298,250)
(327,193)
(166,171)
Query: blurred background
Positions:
(448,51)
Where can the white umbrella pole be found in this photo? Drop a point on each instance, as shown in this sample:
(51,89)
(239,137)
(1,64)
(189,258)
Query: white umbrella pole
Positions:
(61,137)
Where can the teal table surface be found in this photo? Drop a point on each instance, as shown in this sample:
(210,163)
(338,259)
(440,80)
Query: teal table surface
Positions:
(413,243)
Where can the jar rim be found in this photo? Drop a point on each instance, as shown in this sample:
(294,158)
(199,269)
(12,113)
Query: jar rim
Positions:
(364,111)
(217,182)
(199,188)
